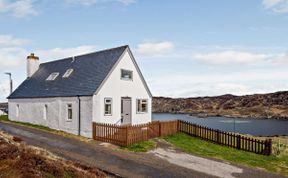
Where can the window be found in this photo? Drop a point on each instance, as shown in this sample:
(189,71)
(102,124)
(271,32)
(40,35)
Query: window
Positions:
(108,106)
(17,110)
(45,112)
(53,76)
(126,74)
(69,112)
(142,105)
(68,73)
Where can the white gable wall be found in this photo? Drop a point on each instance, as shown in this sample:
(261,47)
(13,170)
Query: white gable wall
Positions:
(32,111)
(116,88)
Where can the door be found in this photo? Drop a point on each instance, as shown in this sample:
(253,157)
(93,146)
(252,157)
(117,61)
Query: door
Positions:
(126,110)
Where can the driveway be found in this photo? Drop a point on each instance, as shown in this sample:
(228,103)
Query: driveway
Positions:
(157,163)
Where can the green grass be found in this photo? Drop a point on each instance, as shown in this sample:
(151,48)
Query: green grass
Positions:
(141,146)
(4,118)
(195,146)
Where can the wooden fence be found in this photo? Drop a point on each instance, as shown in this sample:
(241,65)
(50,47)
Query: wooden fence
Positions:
(127,135)
(228,139)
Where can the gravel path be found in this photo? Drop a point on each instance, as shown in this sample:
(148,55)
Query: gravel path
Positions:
(207,166)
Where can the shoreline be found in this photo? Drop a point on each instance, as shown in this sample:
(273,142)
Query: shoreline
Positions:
(244,117)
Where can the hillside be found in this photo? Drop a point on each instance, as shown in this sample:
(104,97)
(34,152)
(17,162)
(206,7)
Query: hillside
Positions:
(20,160)
(272,105)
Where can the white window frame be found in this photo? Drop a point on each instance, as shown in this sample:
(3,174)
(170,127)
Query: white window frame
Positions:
(127,79)
(17,110)
(137,106)
(68,73)
(69,107)
(111,106)
(52,76)
(45,111)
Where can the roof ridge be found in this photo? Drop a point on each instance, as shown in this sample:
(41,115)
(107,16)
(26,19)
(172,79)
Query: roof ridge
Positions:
(103,50)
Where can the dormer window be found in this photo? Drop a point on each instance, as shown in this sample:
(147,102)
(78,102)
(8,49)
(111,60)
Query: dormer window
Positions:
(126,74)
(68,73)
(52,76)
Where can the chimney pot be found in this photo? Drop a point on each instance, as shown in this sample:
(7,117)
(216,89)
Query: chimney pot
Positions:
(32,64)
(32,56)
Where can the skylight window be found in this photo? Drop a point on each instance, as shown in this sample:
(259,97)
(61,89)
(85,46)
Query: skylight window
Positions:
(53,76)
(68,73)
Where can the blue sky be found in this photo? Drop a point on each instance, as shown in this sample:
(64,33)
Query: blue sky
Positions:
(184,48)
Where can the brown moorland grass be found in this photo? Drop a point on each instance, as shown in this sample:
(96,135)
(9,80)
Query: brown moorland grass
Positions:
(20,160)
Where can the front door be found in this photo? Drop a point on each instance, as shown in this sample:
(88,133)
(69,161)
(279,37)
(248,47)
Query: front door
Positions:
(126,110)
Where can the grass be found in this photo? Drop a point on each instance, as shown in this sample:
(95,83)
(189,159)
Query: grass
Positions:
(141,146)
(4,118)
(195,146)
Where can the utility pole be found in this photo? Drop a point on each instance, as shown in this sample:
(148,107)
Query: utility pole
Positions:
(11,82)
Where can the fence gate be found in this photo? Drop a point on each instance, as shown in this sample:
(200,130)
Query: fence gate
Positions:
(153,130)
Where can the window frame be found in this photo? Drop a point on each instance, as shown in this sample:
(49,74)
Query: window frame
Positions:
(126,79)
(111,106)
(137,106)
(50,78)
(45,111)
(69,107)
(17,110)
(68,73)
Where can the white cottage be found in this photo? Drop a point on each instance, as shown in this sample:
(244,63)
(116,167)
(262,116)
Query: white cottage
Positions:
(69,94)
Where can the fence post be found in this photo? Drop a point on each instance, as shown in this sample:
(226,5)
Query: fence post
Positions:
(127,135)
(268,147)
(217,136)
(178,125)
(239,142)
(93,130)
(160,131)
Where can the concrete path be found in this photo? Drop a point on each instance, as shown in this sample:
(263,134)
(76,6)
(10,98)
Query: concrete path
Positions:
(123,163)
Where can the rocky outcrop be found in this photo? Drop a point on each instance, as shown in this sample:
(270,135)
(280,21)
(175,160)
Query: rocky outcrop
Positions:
(272,105)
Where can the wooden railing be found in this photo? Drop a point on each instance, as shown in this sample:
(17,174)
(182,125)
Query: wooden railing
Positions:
(228,139)
(127,135)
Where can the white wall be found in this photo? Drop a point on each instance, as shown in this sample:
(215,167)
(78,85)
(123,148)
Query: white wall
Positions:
(116,88)
(32,111)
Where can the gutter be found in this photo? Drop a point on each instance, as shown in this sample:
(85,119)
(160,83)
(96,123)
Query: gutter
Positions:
(79,115)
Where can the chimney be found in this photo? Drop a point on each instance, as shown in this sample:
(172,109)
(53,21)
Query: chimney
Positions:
(32,64)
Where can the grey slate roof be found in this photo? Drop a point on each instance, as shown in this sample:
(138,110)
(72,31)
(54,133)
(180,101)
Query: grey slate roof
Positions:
(89,72)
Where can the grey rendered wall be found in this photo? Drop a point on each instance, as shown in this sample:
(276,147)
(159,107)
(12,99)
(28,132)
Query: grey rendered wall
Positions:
(32,111)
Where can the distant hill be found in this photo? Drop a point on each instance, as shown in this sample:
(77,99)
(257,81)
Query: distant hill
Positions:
(272,105)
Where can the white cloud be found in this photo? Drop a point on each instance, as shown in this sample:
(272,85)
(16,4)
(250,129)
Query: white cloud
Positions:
(278,6)
(280,59)
(4,89)
(18,8)
(9,40)
(127,2)
(206,84)
(59,53)
(231,57)
(155,48)
(92,2)
(12,57)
